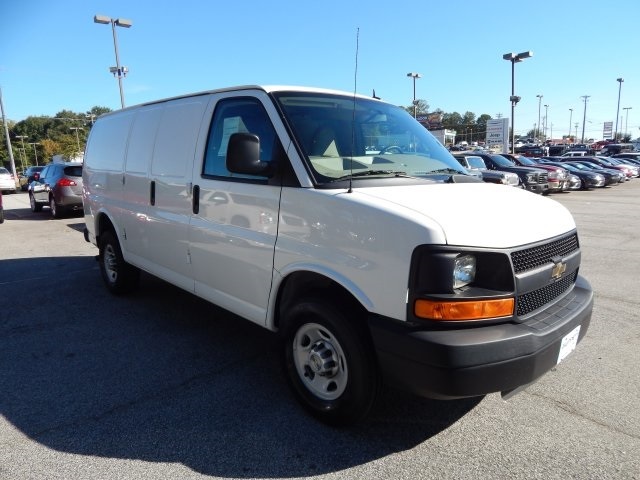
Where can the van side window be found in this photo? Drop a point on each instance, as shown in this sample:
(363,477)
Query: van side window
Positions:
(232,116)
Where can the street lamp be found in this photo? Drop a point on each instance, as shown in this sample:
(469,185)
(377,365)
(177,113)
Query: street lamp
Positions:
(584,118)
(35,152)
(117,71)
(615,134)
(513,58)
(539,105)
(415,103)
(546,121)
(626,122)
(77,137)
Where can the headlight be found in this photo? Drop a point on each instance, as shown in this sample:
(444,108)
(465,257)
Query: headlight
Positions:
(531,178)
(464,270)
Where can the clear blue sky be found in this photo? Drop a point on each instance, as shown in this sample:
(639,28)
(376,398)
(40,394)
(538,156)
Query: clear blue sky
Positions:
(53,56)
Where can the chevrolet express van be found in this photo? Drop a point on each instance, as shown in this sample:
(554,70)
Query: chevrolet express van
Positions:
(341,223)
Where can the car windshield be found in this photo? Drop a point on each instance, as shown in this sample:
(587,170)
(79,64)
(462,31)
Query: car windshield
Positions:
(502,161)
(476,162)
(526,161)
(346,137)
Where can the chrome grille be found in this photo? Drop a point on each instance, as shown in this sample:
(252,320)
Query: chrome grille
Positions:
(534,257)
(531,301)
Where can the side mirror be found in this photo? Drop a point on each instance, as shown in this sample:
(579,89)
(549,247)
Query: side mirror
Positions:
(243,155)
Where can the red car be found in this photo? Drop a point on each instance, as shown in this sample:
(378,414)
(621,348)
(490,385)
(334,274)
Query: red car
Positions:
(558,176)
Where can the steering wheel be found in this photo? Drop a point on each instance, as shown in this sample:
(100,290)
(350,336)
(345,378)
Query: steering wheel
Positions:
(390,149)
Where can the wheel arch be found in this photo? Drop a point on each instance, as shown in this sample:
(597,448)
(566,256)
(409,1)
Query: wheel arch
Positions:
(304,284)
(103,224)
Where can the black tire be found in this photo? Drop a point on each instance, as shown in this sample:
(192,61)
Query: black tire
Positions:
(119,276)
(35,206)
(1,215)
(56,210)
(329,362)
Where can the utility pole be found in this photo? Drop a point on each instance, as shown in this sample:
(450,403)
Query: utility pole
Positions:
(6,134)
(584,118)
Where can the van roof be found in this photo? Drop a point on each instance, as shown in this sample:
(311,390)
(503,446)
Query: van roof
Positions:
(264,88)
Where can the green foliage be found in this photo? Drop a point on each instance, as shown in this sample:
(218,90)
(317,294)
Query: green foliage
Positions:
(63,134)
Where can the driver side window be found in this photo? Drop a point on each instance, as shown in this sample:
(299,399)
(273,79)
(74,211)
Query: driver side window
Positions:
(232,116)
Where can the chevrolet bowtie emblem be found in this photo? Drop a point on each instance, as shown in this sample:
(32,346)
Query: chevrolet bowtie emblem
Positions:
(558,269)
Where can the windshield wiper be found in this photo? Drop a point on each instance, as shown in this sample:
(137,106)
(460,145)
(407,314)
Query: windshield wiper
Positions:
(367,173)
(447,170)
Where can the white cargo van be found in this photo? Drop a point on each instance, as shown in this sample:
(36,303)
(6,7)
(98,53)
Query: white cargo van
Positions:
(341,223)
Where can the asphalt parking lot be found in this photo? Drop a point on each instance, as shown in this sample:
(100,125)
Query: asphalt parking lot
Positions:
(162,385)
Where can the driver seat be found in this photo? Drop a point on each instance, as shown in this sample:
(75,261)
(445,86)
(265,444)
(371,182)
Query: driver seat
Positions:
(323,143)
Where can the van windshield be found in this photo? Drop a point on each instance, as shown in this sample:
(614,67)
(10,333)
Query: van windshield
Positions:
(343,136)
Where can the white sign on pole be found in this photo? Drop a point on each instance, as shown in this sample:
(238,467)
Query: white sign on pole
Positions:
(498,133)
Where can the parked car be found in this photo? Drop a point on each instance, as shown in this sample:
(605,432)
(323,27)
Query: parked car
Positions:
(29,175)
(1,209)
(530,151)
(629,157)
(557,175)
(622,162)
(617,176)
(474,163)
(574,182)
(575,153)
(7,182)
(533,179)
(606,162)
(588,179)
(59,187)
(616,148)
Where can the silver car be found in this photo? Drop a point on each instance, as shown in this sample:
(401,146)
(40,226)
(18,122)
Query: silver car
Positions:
(7,182)
(59,187)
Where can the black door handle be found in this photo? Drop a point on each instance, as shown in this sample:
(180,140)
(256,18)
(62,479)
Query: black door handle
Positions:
(196,199)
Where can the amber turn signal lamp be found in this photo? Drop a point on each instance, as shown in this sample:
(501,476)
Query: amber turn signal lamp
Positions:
(464,310)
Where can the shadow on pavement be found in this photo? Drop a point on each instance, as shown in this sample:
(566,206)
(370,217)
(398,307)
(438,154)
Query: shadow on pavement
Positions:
(163,376)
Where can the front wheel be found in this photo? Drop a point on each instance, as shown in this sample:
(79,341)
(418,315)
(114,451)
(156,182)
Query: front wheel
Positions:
(119,277)
(330,363)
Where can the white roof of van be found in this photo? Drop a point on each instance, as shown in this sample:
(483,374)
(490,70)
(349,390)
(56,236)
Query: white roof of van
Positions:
(265,88)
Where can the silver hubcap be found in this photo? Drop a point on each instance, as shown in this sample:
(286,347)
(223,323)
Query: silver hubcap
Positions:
(320,361)
(110,263)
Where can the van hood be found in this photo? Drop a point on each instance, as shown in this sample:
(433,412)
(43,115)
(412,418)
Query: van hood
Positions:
(480,215)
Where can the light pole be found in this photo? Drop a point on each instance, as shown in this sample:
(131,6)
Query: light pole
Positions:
(513,58)
(570,118)
(35,152)
(615,134)
(626,121)
(584,118)
(77,137)
(415,103)
(118,70)
(546,121)
(539,106)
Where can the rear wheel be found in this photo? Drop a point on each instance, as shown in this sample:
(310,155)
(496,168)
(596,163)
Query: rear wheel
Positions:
(56,211)
(330,362)
(119,276)
(35,206)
